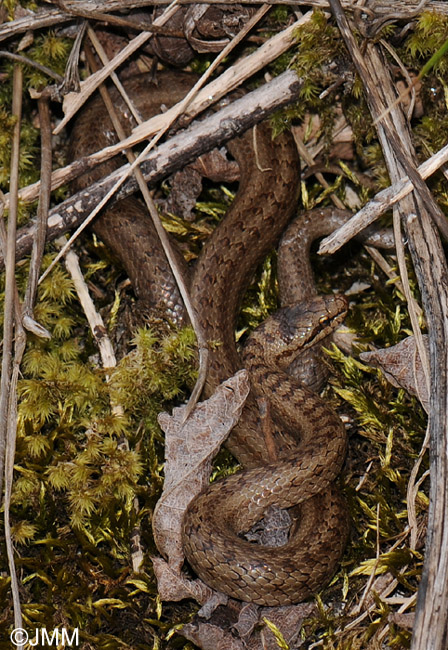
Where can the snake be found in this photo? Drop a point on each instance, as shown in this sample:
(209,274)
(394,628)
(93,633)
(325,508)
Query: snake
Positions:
(309,438)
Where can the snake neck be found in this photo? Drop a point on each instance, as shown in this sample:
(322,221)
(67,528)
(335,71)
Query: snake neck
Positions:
(268,353)
(295,275)
(264,204)
(265,201)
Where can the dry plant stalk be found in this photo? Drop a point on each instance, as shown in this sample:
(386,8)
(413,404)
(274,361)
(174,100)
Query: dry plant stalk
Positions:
(418,214)
(12,326)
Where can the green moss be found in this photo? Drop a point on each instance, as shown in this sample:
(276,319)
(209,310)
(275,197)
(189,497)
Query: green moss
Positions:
(429,35)
(85,475)
(28,151)
(317,43)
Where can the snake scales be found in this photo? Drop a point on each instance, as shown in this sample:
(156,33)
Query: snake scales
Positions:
(306,467)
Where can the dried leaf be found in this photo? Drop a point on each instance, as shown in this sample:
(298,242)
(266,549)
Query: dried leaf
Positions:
(283,625)
(273,529)
(278,625)
(186,186)
(174,586)
(211,637)
(217,167)
(402,367)
(247,620)
(189,449)
(278,636)
(217,598)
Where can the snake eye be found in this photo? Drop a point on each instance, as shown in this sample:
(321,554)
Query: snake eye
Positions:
(324,321)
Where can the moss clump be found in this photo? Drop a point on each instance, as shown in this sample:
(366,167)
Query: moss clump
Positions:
(87,474)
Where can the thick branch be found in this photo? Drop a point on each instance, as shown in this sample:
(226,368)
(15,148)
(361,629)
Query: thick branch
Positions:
(173,154)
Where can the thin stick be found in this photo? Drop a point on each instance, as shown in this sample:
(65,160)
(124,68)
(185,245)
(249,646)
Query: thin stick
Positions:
(8,322)
(380,203)
(26,61)
(8,397)
(113,75)
(3,247)
(44,205)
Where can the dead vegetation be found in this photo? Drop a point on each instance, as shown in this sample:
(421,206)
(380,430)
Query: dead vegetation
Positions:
(81,451)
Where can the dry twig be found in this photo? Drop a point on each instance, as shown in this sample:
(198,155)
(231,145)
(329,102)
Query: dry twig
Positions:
(417,214)
(380,203)
(173,154)
(10,366)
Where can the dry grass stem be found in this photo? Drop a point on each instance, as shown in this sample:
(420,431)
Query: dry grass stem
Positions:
(380,203)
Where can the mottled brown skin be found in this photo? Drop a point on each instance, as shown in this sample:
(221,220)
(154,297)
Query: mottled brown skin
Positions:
(309,437)
(265,202)
(214,520)
(295,246)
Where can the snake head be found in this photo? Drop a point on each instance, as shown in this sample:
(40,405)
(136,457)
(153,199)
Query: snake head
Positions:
(293,329)
(303,325)
(330,312)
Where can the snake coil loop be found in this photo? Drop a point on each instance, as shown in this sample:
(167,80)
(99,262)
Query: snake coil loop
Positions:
(306,469)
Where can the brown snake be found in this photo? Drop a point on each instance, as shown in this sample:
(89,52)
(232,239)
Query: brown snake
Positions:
(307,465)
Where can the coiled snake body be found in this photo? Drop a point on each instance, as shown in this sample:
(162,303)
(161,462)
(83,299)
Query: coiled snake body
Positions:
(310,439)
